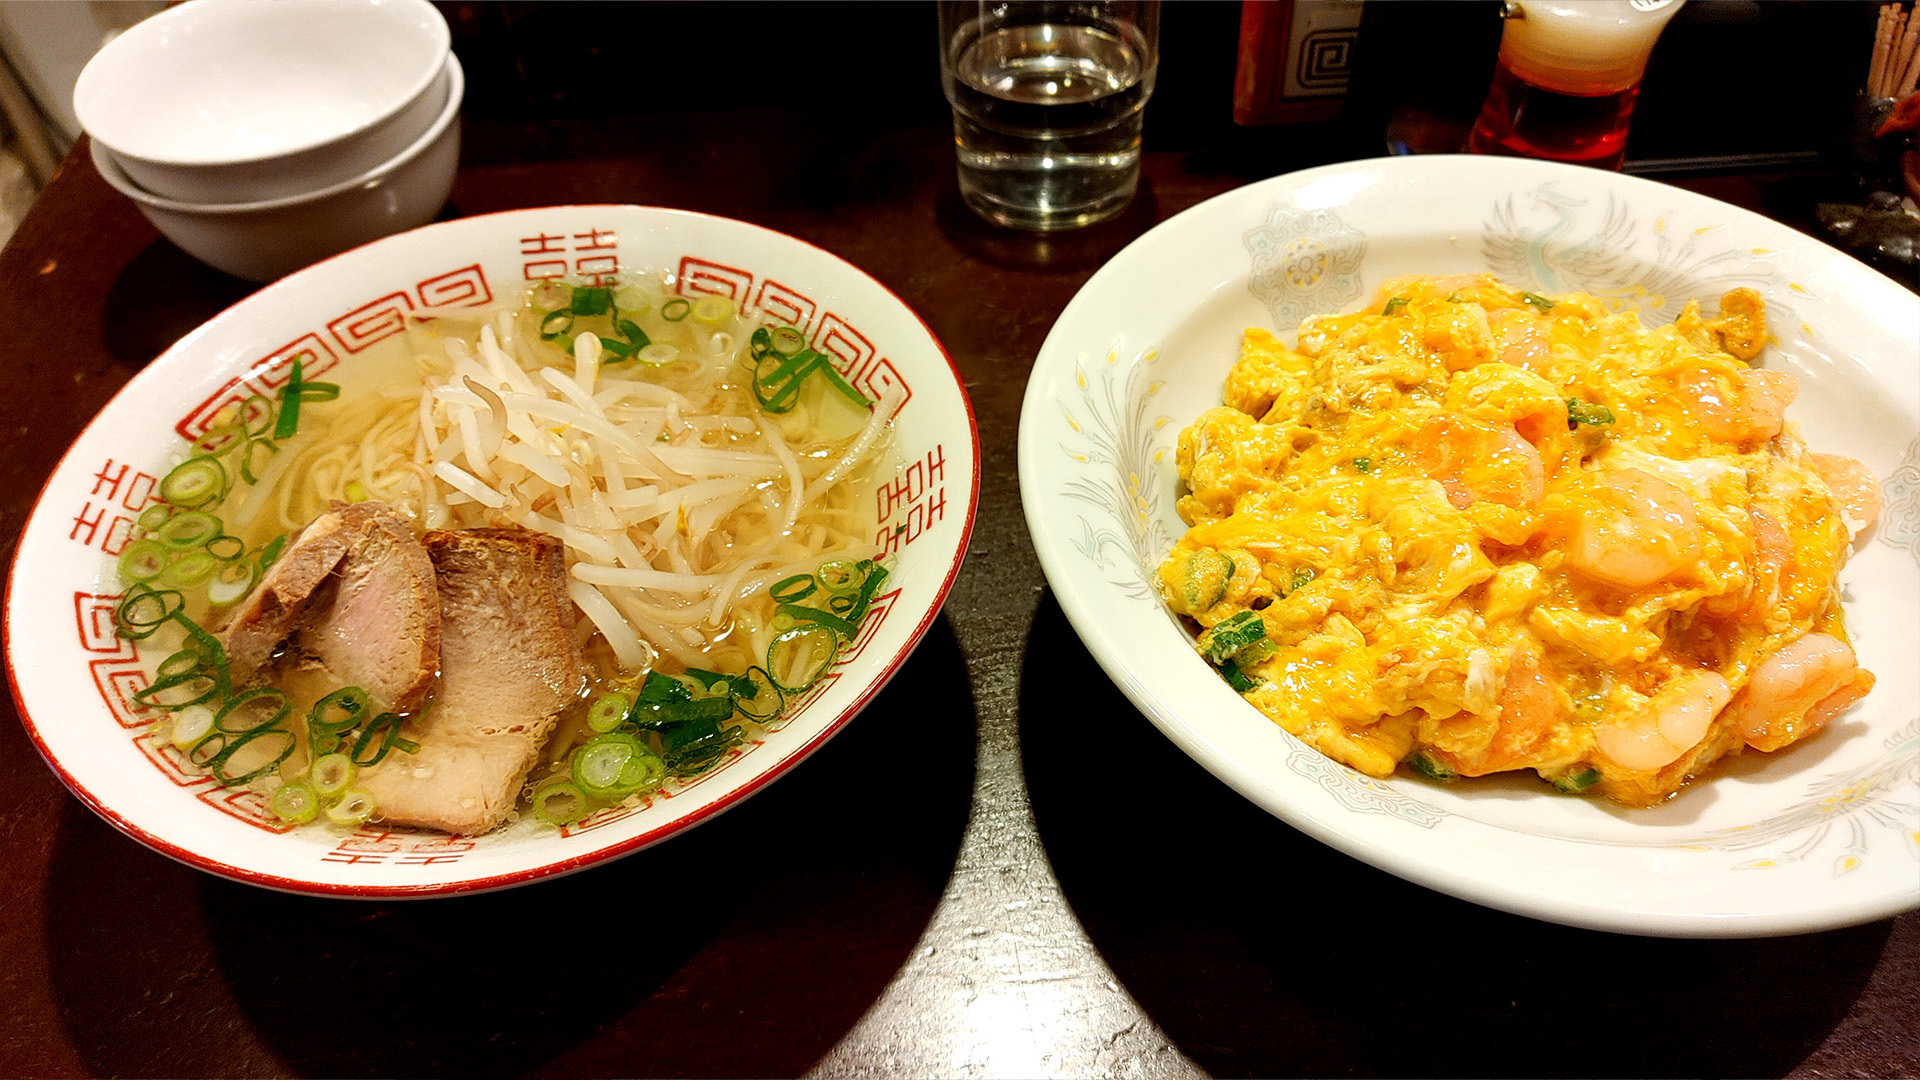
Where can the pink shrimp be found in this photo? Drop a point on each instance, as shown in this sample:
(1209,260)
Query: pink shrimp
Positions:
(1640,530)
(1474,460)
(1795,691)
(1671,723)
(1521,338)
(1738,405)
(1853,486)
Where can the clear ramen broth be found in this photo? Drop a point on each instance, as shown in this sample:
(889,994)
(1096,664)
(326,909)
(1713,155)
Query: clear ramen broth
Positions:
(707,479)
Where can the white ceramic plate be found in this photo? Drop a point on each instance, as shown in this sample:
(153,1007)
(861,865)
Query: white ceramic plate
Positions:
(73,679)
(1824,834)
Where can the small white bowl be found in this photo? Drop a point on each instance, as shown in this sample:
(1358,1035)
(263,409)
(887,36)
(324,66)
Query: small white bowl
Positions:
(225,101)
(261,241)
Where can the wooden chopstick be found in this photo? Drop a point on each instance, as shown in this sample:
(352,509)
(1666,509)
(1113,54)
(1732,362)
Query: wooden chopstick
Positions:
(1877,70)
(1903,68)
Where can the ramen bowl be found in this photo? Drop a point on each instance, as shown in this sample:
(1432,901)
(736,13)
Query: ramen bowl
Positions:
(232,101)
(75,681)
(1815,836)
(264,240)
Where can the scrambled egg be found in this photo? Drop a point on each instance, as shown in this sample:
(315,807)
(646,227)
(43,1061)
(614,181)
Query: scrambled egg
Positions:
(1472,529)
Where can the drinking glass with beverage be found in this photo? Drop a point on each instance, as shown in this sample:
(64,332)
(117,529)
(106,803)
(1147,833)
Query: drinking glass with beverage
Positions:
(1568,73)
(1047,98)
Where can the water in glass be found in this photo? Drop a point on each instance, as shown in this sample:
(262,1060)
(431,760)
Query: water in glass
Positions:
(1046,118)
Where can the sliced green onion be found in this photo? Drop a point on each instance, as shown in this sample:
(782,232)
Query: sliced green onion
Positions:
(1578,780)
(1394,305)
(1232,635)
(339,711)
(142,560)
(712,310)
(764,702)
(294,803)
(252,710)
(676,309)
(691,748)
(842,385)
(709,710)
(332,717)
(551,294)
(658,353)
(1537,300)
(210,649)
(270,552)
(559,803)
(231,584)
(789,590)
(253,460)
(218,767)
(188,570)
(1236,678)
(609,712)
(615,765)
(1206,578)
(799,613)
(630,330)
(713,682)
(256,416)
(191,724)
(178,691)
(1430,767)
(153,517)
(386,725)
(331,773)
(555,324)
(185,662)
(797,658)
(590,300)
(631,299)
(144,609)
(1584,412)
(354,808)
(191,529)
(1363,464)
(219,440)
(194,482)
(840,575)
(658,688)
(1302,576)
(289,419)
(226,548)
(869,588)
(786,340)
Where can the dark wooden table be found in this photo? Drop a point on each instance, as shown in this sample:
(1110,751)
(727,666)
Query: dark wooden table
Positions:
(965,882)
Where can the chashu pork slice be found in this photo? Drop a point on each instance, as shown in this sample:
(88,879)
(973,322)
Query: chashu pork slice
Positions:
(508,666)
(382,630)
(355,592)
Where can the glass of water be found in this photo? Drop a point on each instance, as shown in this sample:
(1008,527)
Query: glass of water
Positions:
(1046,105)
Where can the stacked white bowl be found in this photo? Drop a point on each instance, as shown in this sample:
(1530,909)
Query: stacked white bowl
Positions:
(262,137)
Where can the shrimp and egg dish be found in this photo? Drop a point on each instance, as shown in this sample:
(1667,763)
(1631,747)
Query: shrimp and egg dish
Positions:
(1472,529)
(566,549)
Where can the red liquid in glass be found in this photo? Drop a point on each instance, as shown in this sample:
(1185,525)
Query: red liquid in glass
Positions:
(1530,121)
